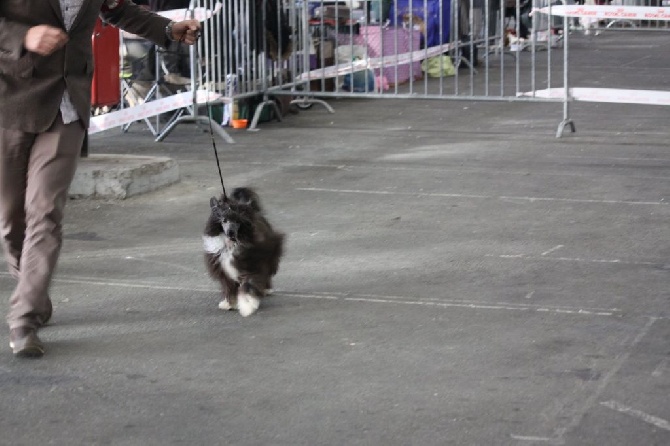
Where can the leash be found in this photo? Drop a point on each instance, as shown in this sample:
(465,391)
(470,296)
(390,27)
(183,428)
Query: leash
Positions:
(209,115)
(216,153)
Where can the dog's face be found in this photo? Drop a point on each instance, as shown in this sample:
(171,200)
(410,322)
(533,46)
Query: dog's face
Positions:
(236,221)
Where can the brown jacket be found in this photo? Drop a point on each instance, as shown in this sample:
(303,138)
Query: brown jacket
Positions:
(32,86)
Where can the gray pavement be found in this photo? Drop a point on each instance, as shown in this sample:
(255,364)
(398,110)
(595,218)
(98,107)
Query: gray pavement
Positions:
(454,275)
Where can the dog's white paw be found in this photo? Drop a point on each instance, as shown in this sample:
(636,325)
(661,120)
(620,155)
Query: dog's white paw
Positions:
(247,304)
(225,305)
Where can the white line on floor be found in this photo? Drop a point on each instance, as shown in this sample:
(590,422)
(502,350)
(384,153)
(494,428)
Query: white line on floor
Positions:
(448,304)
(383,192)
(452,301)
(463,169)
(136,251)
(531,438)
(403,300)
(611,158)
(124,284)
(499,197)
(555,248)
(656,421)
(576,259)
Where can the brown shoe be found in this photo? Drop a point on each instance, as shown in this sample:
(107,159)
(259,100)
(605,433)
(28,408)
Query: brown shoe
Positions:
(24,343)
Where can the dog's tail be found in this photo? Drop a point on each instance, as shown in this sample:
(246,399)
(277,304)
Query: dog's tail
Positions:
(248,196)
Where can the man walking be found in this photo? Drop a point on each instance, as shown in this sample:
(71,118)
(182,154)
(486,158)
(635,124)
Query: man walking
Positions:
(46,69)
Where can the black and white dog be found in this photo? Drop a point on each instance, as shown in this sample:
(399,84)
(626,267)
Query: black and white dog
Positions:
(242,250)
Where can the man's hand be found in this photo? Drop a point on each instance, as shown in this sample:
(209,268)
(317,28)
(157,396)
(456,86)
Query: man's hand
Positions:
(44,39)
(186,31)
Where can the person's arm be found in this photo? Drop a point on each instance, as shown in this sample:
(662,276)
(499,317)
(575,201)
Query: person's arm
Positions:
(130,17)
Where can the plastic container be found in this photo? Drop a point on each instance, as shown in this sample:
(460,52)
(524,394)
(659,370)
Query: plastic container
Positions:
(239,123)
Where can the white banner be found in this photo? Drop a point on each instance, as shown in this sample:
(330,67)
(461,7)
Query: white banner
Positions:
(149,109)
(376,62)
(200,14)
(609,12)
(612,95)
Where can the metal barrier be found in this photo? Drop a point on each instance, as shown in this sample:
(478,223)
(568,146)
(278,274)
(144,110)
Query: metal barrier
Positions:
(313,50)
(420,49)
(635,16)
(460,49)
(229,64)
(243,54)
(489,50)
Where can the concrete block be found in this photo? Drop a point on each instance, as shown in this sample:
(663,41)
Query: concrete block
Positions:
(122,176)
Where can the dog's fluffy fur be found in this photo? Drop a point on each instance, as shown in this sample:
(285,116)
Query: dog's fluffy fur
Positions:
(242,250)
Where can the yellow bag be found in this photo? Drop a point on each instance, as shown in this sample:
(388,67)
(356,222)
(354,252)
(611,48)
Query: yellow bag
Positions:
(438,66)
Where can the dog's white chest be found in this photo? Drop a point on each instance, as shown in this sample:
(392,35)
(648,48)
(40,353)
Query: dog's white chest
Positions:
(217,246)
(226,260)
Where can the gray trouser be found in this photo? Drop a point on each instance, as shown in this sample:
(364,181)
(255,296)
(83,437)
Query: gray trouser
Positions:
(35,174)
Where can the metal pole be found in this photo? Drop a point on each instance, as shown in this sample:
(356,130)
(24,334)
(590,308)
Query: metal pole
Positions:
(566,79)
(194,118)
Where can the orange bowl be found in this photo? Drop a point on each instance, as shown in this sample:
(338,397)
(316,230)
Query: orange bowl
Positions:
(239,123)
